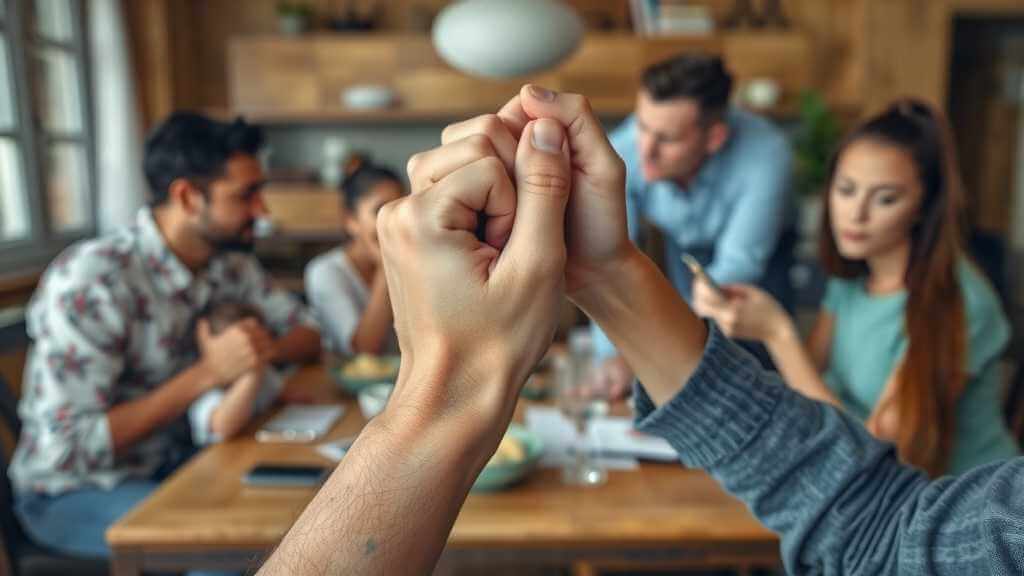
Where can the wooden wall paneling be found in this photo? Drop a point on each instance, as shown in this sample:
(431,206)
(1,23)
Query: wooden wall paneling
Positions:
(447,92)
(863,51)
(835,29)
(184,40)
(215,22)
(785,58)
(272,73)
(150,36)
(303,208)
(309,74)
(605,70)
(661,48)
(907,54)
(341,63)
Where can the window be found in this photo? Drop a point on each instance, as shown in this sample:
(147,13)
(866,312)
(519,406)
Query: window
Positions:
(46,156)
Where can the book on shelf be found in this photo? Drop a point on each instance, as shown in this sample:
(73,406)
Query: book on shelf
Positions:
(670,18)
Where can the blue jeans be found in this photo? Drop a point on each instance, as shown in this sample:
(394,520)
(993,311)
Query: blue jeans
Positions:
(75,523)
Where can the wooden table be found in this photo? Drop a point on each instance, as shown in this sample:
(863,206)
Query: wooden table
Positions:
(658,516)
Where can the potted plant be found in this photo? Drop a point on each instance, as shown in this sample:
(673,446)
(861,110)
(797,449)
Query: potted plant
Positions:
(815,140)
(294,18)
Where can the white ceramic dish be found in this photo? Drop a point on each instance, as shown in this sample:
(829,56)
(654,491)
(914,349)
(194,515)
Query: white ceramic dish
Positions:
(373,399)
(368,97)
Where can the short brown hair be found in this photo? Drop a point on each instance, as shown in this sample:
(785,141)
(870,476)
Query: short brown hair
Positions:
(699,77)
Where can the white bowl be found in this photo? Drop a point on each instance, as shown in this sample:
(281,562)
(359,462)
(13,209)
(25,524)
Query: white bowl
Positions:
(368,97)
(373,399)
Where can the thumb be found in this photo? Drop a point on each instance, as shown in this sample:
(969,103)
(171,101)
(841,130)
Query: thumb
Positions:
(543,179)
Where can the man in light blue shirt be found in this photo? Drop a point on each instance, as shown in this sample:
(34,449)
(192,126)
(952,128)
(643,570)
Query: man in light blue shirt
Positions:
(715,180)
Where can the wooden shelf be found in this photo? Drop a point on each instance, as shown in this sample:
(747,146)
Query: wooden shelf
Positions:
(303,211)
(279,80)
(397,114)
(400,115)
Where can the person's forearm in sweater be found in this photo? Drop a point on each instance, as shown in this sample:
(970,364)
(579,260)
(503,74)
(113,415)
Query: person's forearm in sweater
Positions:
(839,499)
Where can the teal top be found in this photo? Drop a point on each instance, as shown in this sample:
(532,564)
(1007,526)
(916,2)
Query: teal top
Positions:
(869,340)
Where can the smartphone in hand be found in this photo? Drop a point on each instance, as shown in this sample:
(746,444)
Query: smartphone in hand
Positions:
(698,272)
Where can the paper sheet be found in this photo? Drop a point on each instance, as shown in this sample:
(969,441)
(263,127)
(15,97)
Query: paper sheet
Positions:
(301,423)
(612,439)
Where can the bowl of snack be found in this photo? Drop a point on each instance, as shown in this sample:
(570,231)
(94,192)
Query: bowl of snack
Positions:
(373,399)
(516,456)
(365,370)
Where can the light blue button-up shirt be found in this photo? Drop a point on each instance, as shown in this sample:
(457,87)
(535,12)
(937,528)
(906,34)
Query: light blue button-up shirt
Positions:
(730,217)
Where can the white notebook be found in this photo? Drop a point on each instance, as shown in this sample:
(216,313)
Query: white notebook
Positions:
(300,423)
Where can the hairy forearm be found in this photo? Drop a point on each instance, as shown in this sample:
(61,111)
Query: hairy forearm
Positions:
(375,324)
(653,328)
(134,420)
(390,504)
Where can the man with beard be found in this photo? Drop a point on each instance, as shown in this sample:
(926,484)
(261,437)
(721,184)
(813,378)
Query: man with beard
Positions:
(112,369)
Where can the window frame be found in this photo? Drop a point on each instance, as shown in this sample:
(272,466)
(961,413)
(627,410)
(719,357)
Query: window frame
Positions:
(22,256)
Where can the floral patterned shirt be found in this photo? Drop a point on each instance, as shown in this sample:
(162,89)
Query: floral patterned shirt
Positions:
(111,321)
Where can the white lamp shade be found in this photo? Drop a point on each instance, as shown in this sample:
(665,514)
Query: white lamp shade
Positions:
(505,38)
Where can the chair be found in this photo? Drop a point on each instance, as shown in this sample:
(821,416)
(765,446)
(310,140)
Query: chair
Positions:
(23,556)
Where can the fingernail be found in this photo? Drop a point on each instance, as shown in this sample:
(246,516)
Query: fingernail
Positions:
(547,136)
(541,93)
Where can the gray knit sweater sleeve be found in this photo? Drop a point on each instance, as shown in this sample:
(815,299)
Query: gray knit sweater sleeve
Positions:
(838,498)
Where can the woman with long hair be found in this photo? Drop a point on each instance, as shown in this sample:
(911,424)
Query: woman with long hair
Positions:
(910,332)
(346,286)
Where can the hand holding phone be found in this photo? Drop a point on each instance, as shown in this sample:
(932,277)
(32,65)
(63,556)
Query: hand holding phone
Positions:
(699,273)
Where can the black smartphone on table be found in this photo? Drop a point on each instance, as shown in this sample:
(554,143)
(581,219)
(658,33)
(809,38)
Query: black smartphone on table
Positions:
(286,475)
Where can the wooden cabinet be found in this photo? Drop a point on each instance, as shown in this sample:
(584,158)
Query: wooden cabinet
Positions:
(288,80)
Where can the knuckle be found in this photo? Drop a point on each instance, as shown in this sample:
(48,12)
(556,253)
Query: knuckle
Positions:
(491,125)
(407,220)
(446,133)
(413,165)
(383,221)
(493,167)
(480,145)
(577,102)
(613,170)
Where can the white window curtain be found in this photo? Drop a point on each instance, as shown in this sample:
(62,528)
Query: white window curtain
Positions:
(121,187)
